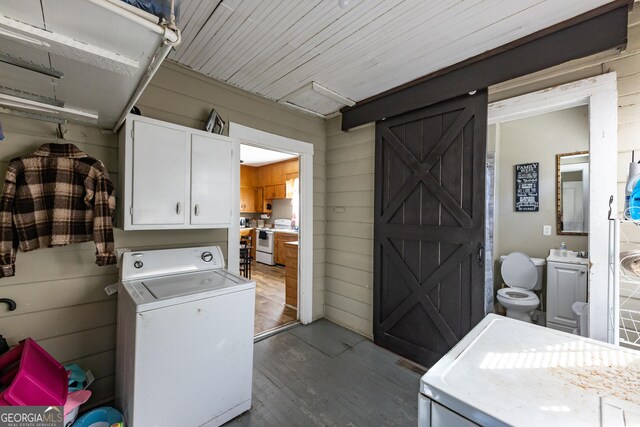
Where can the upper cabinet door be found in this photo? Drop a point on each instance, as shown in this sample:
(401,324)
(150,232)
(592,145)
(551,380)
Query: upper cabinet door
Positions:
(211,173)
(160,172)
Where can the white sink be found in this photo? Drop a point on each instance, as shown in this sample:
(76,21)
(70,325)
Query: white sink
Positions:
(571,258)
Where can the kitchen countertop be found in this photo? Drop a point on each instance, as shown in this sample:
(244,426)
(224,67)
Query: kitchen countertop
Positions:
(570,258)
(286,231)
(270,229)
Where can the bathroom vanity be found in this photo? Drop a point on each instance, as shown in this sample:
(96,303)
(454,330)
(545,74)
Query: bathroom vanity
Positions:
(566,285)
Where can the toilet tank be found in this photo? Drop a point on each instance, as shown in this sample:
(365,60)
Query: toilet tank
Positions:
(539,263)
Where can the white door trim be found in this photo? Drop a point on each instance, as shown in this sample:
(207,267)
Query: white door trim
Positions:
(275,142)
(600,94)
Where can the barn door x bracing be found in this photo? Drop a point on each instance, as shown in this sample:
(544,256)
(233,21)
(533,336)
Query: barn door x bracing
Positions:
(429,227)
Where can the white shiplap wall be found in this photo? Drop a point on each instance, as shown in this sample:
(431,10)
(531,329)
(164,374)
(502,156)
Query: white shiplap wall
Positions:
(349,257)
(350,177)
(59,292)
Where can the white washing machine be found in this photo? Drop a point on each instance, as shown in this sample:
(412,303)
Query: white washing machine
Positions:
(185,339)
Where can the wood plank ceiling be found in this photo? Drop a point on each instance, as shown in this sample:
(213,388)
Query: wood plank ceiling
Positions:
(274,47)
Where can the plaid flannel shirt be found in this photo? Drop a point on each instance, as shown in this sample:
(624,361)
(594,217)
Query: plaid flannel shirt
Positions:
(53,197)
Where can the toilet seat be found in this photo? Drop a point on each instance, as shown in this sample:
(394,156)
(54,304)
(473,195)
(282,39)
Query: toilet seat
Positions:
(517,296)
(519,271)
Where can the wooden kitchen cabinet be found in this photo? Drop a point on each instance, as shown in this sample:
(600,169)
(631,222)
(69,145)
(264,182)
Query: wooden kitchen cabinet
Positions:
(281,238)
(250,193)
(275,192)
(291,274)
(270,192)
(247,200)
(173,177)
(280,191)
(275,173)
(268,182)
(248,176)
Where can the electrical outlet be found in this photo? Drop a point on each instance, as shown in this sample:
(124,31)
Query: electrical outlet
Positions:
(546,230)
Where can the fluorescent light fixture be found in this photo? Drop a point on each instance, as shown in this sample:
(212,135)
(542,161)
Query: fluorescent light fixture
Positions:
(27,104)
(35,116)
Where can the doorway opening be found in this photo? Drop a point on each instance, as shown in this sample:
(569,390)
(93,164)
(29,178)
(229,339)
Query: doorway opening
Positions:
(534,165)
(272,237)
(599,96)
(269,211)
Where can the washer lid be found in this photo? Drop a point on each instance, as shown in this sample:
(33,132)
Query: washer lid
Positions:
(519,271)
(185,284)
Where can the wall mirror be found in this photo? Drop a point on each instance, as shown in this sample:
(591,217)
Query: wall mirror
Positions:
(572,191)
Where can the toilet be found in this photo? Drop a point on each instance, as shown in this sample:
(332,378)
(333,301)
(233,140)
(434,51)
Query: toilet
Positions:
(521,275)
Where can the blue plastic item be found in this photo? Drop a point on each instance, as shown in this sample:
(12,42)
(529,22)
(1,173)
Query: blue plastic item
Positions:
(634,202)
(160,8)
(77,377)
(99,417)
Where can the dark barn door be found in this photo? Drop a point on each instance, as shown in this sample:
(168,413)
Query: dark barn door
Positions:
(429,227)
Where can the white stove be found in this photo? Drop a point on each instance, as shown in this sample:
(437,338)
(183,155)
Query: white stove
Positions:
(185,338)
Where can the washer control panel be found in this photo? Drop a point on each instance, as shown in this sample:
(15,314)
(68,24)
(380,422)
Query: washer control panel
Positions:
(145,264)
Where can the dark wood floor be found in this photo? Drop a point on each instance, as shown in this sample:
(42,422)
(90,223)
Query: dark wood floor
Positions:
(324,375)
(270,309)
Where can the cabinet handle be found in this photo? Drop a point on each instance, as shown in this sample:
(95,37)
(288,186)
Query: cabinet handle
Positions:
(582,273)
(178,208)
(196,210)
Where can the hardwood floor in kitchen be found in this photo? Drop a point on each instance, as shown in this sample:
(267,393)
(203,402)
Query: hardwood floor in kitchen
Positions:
(271,312)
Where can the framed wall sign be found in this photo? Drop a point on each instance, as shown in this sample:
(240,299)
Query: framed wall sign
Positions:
(527,197)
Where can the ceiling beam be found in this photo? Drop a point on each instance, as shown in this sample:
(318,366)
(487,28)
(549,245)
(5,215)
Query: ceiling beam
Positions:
(596,31)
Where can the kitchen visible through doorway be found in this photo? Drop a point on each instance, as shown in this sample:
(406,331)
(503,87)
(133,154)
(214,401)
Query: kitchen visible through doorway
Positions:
(269,226)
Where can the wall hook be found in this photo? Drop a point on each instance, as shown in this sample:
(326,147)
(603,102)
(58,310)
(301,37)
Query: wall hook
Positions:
(611,207)
(11,303)
(59,132)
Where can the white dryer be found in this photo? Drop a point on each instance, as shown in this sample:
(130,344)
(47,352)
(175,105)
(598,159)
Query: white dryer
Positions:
(185,339)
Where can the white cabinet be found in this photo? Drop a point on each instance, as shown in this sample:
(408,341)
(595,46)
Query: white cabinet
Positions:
(174,177)
(160,187)
(210,179)
(566,284)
